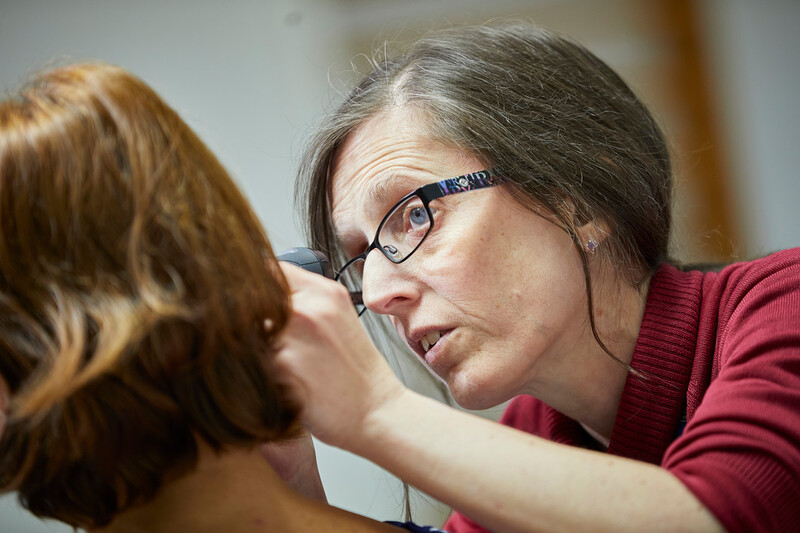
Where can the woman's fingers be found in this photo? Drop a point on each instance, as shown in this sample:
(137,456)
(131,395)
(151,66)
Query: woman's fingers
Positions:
(326,357)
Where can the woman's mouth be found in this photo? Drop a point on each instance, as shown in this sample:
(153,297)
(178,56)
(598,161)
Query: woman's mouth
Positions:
(430,339)
(433,344)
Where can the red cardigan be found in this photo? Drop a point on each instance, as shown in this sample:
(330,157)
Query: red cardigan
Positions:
(723,348)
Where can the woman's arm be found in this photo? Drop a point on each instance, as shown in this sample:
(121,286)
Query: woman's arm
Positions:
(504,479)
(507,480)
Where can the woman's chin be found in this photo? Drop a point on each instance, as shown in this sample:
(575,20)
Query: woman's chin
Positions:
(473,396)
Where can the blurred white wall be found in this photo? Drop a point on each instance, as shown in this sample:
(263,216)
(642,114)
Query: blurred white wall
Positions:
(252,77)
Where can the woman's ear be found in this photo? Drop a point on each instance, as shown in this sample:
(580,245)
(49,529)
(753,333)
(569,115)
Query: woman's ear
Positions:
(591,234)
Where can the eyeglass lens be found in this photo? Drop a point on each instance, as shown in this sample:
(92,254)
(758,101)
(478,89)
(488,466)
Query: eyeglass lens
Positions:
(403,229)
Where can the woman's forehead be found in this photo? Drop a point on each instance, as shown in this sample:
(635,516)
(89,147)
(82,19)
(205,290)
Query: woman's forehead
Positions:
(389,150)
(384,158)
(380,155)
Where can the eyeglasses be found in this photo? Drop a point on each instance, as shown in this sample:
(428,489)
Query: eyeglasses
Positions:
(407,224)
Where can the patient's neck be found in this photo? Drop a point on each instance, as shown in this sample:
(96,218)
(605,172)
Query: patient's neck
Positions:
(234,491)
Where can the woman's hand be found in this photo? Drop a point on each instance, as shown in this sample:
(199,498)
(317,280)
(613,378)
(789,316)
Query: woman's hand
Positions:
(328,360)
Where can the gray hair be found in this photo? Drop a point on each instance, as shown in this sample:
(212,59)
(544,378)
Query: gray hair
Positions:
(567,132)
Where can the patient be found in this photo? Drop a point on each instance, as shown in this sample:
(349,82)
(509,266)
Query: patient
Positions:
(135,280)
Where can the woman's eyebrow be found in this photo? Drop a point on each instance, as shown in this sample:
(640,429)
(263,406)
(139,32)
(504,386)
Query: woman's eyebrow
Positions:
(379,192)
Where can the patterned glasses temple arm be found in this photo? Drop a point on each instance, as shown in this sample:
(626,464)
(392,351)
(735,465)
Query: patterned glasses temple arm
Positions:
(467,182)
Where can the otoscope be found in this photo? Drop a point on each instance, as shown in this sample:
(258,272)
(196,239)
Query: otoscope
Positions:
(308,259)
(316,262)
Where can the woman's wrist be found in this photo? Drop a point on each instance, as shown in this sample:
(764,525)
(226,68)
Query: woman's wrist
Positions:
(375,431)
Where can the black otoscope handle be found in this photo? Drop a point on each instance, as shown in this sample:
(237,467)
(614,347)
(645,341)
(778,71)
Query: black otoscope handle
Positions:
(308,259)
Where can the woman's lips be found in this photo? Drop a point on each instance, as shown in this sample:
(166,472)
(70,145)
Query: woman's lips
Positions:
(433,354)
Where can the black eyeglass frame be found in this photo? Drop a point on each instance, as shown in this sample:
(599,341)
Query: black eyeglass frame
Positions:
(427,193)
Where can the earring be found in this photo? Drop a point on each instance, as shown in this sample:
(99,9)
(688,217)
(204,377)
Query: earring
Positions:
(591,246)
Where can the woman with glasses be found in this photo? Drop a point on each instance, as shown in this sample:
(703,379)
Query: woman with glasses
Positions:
(504,199)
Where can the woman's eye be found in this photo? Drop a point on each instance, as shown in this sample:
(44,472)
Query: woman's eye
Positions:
(418,217)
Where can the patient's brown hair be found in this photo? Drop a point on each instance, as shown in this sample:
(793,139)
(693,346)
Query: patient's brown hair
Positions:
(134,282)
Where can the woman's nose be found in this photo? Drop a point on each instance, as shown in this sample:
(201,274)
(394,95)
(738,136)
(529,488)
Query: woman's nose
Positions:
(387,286)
